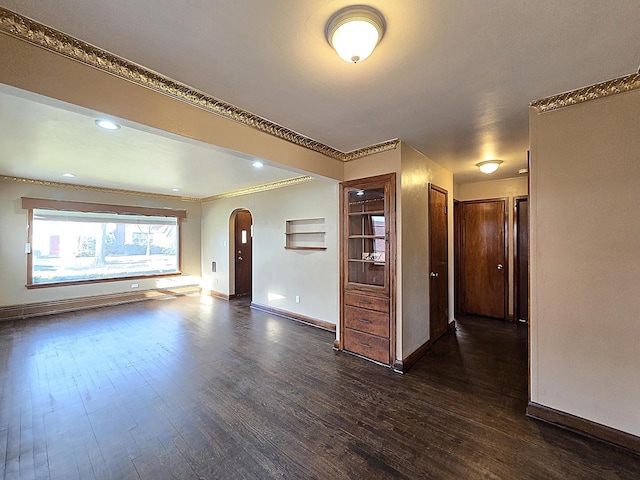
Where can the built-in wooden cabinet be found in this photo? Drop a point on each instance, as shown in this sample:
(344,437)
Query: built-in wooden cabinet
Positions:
(367,325)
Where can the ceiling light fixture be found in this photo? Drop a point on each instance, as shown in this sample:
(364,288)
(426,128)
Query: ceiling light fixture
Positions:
(523,171)
(489,166)
(107,124)
(355,31)
(175,189)
(258,164)
(68,175)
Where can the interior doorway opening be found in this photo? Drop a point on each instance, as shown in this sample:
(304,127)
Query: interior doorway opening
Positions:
(241,253)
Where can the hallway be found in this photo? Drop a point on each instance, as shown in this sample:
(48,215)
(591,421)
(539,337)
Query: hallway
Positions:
(197,387)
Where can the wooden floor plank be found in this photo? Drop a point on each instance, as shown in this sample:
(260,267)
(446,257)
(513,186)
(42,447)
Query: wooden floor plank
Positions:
(196,387)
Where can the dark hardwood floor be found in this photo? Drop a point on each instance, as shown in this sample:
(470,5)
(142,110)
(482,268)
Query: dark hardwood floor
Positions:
(194,388)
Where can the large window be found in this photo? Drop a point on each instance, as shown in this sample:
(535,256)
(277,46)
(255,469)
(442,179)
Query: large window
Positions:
(68,245)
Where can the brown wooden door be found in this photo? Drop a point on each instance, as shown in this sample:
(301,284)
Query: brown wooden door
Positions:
(438,262)
(521,227)
(484,258)
(243,250)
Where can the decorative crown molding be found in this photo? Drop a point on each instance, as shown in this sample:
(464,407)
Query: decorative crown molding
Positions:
(260,188)
(599,90)
(373,149)
(28,30)
(234,193)
(73,186)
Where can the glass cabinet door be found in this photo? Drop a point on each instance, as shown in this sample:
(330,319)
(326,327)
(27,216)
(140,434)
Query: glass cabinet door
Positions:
(366,237)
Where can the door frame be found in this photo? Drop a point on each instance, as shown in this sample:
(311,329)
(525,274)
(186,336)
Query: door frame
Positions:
(516,272)
(460,251)
(458,290)
(443,191)
(232,250)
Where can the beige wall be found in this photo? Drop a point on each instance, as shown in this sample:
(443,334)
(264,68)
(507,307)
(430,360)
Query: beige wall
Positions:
(313,275)
(585,257)
(504,188)
(13,236)
(417,172)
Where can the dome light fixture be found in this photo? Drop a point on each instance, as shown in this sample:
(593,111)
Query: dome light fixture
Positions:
(355,31)
(489,166)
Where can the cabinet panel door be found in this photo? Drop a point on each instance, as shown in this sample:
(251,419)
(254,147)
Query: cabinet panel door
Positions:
(366,236)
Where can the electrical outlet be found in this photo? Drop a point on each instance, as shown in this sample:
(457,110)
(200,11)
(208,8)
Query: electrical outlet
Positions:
(134,285)
(297,298)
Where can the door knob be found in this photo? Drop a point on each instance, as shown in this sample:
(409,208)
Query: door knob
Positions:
(433,274)
(499,266)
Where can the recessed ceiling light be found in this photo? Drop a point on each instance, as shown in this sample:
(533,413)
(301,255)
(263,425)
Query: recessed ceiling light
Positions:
(68,175)
(258,164)
(107,124)
(175,189)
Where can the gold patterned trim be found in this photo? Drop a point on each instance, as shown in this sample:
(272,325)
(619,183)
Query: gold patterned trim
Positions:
(372,150)
(599,90)
(260,188)
(235,193)
(29,30)
(72,186)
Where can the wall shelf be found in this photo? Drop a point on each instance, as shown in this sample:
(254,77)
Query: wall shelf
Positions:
(305,234)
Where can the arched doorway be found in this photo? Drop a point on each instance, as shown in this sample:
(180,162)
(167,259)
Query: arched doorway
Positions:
(242,252)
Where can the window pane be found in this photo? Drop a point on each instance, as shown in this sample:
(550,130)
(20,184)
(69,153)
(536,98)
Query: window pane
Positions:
(76,246)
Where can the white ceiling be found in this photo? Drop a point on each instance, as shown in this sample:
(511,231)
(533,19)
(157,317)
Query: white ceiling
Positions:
(43,139)
(451,78)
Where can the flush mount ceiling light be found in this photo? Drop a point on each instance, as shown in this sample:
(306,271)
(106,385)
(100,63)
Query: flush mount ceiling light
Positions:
(258,164)
(354,32)
(489,166)
(175,189)
(68,175)
(107,124)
